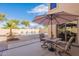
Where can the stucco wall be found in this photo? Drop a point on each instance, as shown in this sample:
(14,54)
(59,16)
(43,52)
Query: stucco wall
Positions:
(72,8)
(23,34)
(19,31)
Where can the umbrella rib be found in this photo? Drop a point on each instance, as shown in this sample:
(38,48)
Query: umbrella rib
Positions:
(38,18)
(49,19)
(68,14)
(43,20)
(64,18)
(48,22)
(56,20)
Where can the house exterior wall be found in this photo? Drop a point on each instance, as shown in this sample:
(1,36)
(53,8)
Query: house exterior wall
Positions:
(20,31)
(29,33)
(53,31)
(72,8)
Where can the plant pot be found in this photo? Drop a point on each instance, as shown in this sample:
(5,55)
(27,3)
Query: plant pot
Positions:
(12,38)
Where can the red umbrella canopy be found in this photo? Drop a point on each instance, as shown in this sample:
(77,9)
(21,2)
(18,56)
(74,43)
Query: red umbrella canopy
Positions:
(56,18)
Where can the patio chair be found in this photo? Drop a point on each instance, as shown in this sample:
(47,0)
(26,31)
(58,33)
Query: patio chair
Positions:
(43,40)
(64,49)
(42,36)
(48,43)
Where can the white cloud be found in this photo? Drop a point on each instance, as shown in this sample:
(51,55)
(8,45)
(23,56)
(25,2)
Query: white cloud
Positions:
(35,25)
(39,10)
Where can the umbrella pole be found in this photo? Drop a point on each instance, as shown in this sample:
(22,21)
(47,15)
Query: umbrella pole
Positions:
(51,27)
(78,31)
(65,33)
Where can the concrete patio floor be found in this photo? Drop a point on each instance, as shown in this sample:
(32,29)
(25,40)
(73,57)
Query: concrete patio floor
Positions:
(28,48)
(33,49)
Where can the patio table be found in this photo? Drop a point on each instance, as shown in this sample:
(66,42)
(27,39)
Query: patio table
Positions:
(52,40)
(49,41)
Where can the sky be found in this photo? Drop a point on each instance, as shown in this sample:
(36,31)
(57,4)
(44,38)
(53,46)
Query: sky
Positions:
(23,11)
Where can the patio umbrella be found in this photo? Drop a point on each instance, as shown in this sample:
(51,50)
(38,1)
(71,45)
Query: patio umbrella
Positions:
(71,25)
(68,25)
(55,18)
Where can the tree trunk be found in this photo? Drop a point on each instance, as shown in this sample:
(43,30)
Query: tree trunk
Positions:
(10,36)
(10,31)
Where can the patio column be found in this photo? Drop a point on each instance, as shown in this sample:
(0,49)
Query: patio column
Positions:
(65,33)
(54,30)
(78,31)
(49,31)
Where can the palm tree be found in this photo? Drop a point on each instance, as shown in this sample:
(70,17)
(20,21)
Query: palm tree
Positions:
(11,24)
(45,26)
(25,22)
(2,17)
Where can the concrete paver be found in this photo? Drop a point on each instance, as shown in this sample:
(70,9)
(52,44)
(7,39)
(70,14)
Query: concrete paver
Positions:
(28,50)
